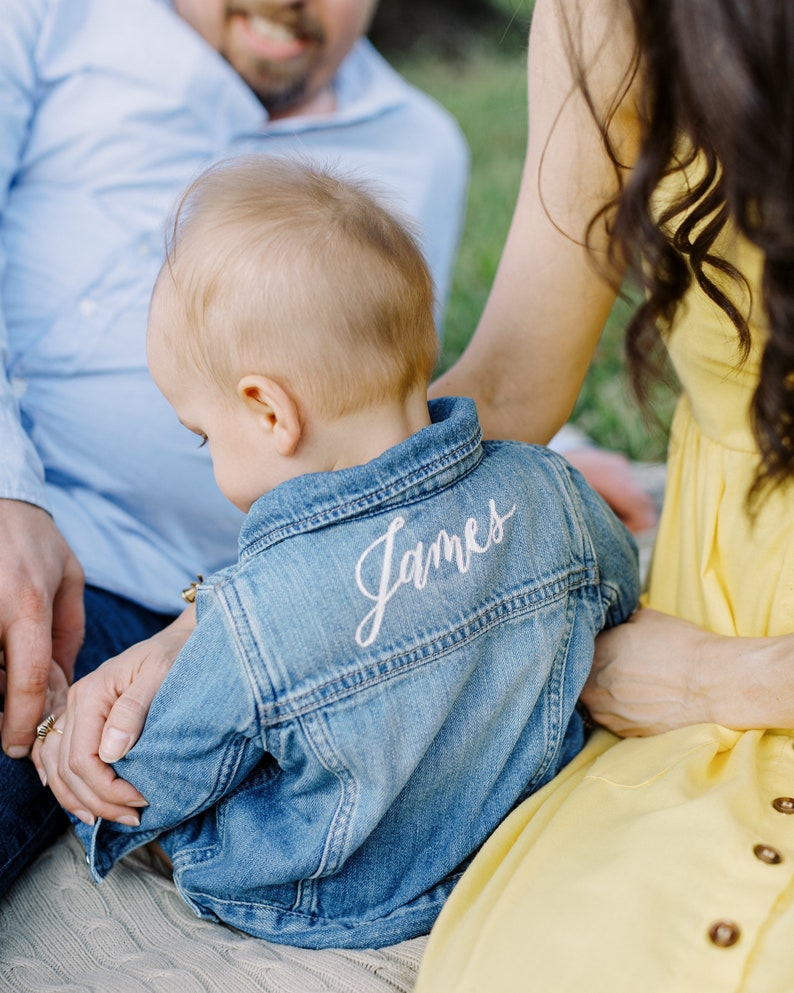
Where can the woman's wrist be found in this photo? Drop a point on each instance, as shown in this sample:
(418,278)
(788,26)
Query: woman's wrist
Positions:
(748,682)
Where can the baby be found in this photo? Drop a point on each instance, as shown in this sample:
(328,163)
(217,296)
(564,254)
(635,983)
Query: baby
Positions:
(394,661)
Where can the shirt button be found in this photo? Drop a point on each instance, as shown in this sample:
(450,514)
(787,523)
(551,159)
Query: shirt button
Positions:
(784,804)
(768,854)
(724,933)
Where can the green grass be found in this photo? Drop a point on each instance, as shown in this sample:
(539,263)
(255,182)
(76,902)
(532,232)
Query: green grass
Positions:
(486,91)
(487,94)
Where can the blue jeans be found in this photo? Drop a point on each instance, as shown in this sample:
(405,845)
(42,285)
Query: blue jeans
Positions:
(30,819)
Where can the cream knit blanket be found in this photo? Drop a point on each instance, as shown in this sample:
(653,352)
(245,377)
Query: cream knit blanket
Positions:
(133,934)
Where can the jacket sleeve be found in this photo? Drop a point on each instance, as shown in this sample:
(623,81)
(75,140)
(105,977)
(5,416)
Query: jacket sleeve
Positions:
(201,739)
(21,473)
(615,552)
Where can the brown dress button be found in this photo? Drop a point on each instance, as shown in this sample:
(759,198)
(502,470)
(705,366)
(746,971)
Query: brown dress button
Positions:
(724,933)
(768,854)
(784,804)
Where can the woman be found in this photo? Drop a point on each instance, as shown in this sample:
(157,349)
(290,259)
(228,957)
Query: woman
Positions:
(661,135)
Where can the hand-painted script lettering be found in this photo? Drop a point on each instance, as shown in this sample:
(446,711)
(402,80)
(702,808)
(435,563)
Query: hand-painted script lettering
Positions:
(415,564)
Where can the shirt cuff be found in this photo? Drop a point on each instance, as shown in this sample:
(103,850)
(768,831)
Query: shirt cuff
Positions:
(21,471)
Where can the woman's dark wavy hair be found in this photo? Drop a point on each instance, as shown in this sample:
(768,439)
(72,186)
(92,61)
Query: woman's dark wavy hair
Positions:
(720,74)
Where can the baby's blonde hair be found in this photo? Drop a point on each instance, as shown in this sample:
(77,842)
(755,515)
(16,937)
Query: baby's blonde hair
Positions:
(285,269)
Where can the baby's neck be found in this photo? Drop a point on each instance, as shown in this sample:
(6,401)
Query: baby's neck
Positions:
(357,438)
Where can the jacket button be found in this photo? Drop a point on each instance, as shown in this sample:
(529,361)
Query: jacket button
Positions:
(768,854)
(724,933)
(784,804)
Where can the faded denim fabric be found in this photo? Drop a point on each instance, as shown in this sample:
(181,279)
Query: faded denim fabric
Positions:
(392,665)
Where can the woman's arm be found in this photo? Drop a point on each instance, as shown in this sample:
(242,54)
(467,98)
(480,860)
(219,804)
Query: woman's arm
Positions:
(526,361)
(658,672)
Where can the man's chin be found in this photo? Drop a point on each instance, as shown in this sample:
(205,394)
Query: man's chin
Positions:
(281,100)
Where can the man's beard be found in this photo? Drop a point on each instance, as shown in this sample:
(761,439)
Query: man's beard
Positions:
(283,98)
(275,87)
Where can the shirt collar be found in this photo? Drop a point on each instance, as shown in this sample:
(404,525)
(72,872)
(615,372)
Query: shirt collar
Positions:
(365,86)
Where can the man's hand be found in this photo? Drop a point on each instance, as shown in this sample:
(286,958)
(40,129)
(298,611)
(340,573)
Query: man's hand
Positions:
(57,690)
(104,716)
(609,473)
(41,616)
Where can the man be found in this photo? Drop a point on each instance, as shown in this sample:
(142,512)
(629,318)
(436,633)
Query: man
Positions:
(109,108)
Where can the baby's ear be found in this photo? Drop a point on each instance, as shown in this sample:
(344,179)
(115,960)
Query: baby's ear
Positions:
(275,408)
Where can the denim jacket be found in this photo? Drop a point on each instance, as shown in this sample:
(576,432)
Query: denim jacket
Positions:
(390,667)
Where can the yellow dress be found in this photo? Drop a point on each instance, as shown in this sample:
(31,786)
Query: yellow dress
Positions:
(665,864)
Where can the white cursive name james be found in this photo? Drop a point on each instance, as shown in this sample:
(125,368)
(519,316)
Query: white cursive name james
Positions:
(415,564)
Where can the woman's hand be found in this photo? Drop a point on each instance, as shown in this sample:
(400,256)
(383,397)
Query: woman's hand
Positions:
(103,718)
(658,672)
(647,675)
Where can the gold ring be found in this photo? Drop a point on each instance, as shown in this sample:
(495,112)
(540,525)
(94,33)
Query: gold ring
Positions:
(47,725)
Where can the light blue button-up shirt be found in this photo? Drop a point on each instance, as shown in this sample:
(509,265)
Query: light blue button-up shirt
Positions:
(109,108)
